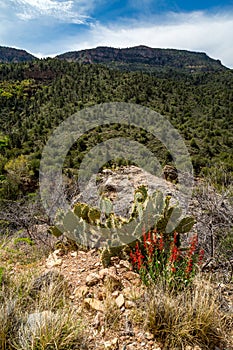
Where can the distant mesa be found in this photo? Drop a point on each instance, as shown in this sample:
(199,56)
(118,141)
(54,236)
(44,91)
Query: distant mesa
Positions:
(145,58)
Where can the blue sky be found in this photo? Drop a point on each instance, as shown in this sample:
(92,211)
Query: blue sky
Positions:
(49,27)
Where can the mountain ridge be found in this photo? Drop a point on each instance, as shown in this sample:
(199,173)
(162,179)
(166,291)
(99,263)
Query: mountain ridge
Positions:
(13,55)
(135,58)
(143,58)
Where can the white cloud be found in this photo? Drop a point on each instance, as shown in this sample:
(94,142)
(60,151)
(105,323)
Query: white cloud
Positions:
(71,11)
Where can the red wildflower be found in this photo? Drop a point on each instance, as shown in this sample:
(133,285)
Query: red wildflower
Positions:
(161,243)
(133,258)
(193,245)
(173,269)
(138,257)
(174,254)
(189,266)
(175,238)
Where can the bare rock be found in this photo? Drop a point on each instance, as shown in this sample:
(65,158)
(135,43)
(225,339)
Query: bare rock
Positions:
(53,260)
(122,184)
(130,275)
(103,273)
(112,344)
(92,279)
(170,173)
(98,320)
(113,282)
(124,263)
(120,301)
(74,254)
(129,304)
(94,304)
(149,336)
(81,291)
(115,293)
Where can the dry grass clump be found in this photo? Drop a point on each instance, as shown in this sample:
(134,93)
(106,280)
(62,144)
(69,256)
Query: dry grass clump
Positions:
(191,317)
(112,313)
(35,310)
(60,330)
(35,314)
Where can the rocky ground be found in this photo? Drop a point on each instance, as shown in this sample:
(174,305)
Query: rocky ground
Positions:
(94,289)
(106,296)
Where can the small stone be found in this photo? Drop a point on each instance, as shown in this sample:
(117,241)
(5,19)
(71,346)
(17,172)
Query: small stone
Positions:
(81,252)
(98,320)
(157,346)
(103,273)
(130,275)
(149,336)
(114,281)
(101,295)
(94,304)
(125,263)
(133,278)
(130,305)
(92,279)
(74,254)
(57,252)
(120,301)
(53,261)
(127,292)
(82,270)
(111,344)
(81,291)
(115,293)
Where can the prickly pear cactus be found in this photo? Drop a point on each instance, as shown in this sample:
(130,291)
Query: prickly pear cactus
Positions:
(94,227)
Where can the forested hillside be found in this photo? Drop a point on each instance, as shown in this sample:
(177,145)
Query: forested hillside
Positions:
(113,271)
(36,96)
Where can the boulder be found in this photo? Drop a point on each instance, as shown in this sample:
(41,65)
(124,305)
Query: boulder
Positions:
(170,173)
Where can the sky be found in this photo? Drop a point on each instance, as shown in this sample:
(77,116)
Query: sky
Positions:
(50,27)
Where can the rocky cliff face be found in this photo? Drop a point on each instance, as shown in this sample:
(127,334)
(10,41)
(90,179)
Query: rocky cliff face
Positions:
(142,56)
